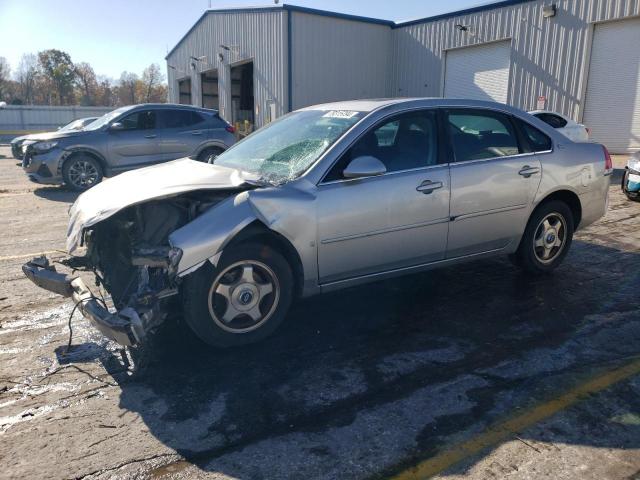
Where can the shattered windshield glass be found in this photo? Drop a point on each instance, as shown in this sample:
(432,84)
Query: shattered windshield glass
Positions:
(285,148)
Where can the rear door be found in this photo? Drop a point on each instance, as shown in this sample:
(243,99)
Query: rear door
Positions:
(181,132)
(493,181)
(136,144)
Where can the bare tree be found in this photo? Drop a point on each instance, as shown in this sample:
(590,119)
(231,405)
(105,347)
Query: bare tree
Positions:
(106,94)
(5,71)
(127,88)
(26,75)
(152,78)
(86,82)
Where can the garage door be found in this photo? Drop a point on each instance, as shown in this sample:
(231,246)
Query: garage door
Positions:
(480,73)
(612,106)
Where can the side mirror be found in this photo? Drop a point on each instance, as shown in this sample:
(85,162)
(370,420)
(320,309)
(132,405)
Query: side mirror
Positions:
(116,126)
(365,166)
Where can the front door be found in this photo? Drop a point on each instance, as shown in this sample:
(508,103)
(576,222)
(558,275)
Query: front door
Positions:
(493,182)
(391,221)
(136,144)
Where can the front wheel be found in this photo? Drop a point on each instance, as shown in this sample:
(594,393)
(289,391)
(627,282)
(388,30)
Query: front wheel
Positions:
(241,301)
(546,239)
(81,172)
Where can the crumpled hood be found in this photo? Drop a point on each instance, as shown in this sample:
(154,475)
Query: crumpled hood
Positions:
(137,186)
(634,162)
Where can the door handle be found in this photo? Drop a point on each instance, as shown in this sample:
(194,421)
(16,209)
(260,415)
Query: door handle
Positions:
(428,186)
(527,171)
(196,133)
(152,135)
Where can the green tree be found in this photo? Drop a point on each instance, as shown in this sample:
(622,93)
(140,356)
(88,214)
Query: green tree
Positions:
(56,66)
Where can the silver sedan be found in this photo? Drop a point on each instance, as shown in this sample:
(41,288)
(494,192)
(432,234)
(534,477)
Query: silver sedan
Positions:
(326,197)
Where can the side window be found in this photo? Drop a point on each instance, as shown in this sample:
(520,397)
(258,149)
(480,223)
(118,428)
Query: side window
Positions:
(481,134)
(403,142)
(539,141)
(144,120)
(180,118)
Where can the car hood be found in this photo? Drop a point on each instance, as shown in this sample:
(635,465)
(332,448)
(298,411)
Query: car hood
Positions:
(137,186)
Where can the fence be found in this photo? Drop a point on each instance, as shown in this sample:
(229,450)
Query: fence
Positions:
(18,120)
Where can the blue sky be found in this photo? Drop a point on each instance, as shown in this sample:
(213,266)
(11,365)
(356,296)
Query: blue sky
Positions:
(118,35)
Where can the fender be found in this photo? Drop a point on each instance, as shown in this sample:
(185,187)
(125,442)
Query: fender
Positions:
(206,237)
(83,149)
(207,144)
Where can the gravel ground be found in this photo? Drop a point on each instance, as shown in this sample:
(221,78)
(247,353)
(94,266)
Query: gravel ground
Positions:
(359,384)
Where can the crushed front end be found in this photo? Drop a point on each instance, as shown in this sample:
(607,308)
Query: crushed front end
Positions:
(130,257)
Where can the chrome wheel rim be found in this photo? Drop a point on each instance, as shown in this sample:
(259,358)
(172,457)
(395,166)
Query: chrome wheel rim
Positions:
(550,238)
(244,296)
(83,174)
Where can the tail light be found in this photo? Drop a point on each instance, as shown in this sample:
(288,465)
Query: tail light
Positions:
(230,129)
(608,163)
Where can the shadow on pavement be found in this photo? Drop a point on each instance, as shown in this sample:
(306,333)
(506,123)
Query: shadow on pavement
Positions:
(56,194)
(388,371)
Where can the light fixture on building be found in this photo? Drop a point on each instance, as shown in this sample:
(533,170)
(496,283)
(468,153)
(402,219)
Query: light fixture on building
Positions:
(221,57)
(549,11)
(462,28)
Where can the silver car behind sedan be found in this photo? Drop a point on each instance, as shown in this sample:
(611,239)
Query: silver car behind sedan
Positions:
(326,197)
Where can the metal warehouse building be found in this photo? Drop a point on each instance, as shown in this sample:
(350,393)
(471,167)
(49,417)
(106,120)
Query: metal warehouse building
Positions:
(577,57)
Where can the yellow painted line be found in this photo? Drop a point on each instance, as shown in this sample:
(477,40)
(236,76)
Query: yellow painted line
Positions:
(505,429)
(31,255)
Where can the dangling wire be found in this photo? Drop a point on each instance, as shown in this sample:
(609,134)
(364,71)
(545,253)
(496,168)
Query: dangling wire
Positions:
(73,310)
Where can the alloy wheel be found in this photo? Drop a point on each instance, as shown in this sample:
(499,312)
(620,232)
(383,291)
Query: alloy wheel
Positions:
(83,174)
(243,296)
(550,238)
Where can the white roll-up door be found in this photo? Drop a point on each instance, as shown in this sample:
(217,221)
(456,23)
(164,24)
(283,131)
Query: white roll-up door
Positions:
(612,105)
(479,73)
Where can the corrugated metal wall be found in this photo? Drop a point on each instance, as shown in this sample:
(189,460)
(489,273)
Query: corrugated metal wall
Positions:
(43,118)
(260,36)
(337,59)
(549,56)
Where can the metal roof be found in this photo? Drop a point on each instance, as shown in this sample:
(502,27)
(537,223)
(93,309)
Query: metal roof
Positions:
(345,16)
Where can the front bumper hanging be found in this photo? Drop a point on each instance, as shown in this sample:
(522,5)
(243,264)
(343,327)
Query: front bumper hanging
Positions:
(123,327)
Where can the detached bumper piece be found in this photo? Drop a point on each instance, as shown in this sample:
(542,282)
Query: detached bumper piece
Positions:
(124,327)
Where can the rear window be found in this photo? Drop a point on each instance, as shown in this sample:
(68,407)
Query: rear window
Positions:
(550,119)
(180,118)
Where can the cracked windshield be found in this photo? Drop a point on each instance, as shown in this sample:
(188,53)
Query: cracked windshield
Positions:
(286,148)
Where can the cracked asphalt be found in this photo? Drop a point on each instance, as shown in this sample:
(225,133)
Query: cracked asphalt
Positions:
(366,383)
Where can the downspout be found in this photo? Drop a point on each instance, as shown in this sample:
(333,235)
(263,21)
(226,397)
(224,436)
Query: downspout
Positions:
(289,66)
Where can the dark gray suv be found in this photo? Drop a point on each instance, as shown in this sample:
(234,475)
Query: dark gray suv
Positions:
(124,139)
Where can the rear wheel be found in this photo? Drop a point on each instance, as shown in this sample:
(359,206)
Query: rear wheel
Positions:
(546,239)
(208,154)
(241,301)
(81,172)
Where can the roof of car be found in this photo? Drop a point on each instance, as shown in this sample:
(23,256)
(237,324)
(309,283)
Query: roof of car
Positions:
(178,106)
(377,103)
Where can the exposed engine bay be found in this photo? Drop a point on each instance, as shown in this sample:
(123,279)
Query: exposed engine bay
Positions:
(131,257)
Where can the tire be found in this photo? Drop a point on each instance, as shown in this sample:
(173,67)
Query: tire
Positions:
(634,197)
(212,296)
(205,154)
(78,165)
(539,251)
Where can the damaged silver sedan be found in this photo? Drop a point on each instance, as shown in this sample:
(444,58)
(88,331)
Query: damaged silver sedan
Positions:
(327,197)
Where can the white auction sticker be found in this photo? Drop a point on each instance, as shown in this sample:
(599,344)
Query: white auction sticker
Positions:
(340,114)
